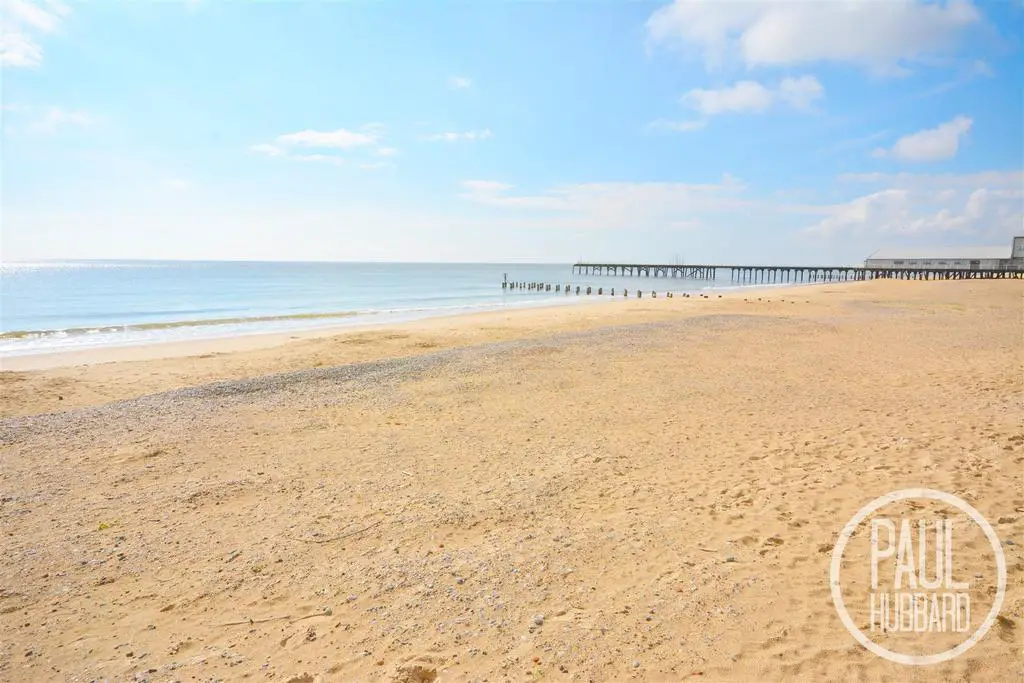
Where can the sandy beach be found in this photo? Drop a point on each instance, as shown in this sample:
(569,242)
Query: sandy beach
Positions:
(641,490)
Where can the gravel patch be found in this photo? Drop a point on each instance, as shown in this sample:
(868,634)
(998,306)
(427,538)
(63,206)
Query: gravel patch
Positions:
(376,381)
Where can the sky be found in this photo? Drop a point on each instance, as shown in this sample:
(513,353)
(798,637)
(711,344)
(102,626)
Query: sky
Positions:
(806,132)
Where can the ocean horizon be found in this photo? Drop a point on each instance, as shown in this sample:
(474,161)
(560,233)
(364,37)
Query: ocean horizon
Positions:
(65,305)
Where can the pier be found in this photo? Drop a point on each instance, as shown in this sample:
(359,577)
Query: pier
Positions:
(789,274)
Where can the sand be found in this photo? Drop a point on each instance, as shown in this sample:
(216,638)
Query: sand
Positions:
(643,490)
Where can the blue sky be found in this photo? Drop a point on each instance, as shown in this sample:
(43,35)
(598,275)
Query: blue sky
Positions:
(704,131)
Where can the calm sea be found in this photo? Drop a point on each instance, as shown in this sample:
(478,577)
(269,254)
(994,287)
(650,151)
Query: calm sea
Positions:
(57,306)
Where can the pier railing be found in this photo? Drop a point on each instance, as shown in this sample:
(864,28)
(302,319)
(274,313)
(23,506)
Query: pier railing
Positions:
(789,274)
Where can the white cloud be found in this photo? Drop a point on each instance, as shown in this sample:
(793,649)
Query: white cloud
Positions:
(934,144)
(745,96)
(484,186)
(339,139)
(17,48)
(471,135)
(990,179)
(989,204)
(979,67)
(614,204)
(20,23)
(319,158)
(43,17)
(800,93)
(269,150)
(459,83)
(55,118)
(878,35)
(753,97)
(678,126)
(494,193)
(278,151)
(881,210)
(289,145)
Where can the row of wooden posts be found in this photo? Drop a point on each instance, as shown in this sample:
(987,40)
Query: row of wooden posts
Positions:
(546,287)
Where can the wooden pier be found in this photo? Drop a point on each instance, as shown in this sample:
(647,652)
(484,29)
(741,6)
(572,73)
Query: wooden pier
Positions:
(788,274)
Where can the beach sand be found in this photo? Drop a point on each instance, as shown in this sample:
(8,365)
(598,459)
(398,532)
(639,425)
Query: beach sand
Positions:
(643,490)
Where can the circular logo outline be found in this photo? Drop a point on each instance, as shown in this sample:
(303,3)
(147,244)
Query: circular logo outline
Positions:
(840,548)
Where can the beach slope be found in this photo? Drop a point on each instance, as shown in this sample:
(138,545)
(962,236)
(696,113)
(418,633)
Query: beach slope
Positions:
(645,490)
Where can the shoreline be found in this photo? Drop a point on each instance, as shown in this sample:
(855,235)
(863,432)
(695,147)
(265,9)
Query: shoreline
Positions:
(91,377)
(241,340)
(245,341)
(63,381)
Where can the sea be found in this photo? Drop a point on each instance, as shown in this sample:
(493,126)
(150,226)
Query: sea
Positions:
(57,306)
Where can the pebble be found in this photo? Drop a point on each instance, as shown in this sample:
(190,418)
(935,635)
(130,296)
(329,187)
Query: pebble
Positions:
(636,664)
(538,619)
(730,558)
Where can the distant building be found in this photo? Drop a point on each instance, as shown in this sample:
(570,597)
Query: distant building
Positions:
(951,258)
